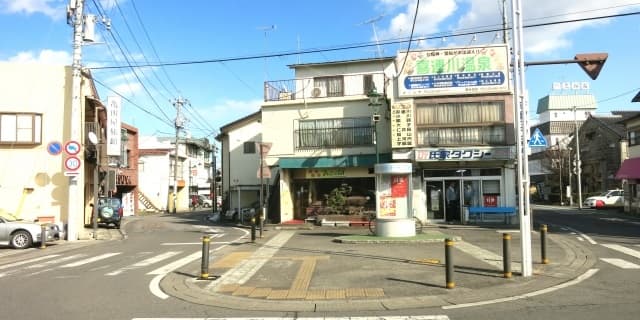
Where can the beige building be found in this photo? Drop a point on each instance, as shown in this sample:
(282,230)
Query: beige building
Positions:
(35,115)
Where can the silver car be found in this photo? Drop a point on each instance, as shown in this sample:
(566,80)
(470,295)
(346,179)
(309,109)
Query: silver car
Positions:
(22,234)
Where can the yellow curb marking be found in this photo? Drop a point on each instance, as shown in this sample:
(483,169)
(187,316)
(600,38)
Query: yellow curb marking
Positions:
(260,293)
(297,294)
(355,292)
(278,294)
(336,294)
(232,259)
(316,294)
(243,291)
(374,292)
(228,288)
(428,261)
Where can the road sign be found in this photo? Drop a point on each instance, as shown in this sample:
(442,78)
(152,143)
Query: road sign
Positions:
(72,148)
(54,148)
(537,139)
(72,163)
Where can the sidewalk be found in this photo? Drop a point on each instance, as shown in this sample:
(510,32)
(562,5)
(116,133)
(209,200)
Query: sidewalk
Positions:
(340,269)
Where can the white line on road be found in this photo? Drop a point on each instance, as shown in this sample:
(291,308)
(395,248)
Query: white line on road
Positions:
(624,264)
(19,263)
(144,263)
(575,281)
(622,249)
(485,255)
(154,285)
(90,260)
(427,317)
(583,235)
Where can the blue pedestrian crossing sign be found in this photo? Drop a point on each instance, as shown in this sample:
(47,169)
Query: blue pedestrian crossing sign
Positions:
(537,139)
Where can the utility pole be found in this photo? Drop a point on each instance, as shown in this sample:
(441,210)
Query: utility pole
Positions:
(214,176)
(179,123)
(75,16)
(578,164)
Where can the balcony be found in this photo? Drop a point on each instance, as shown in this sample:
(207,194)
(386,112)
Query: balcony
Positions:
(307,139)
(322,87)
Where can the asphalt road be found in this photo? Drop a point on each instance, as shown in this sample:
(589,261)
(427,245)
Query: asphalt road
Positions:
(118,279)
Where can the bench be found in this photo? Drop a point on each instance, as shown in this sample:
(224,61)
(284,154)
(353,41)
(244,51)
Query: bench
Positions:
(507,212)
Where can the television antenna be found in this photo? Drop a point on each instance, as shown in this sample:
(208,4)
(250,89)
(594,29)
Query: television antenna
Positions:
(372,22)
(266,30)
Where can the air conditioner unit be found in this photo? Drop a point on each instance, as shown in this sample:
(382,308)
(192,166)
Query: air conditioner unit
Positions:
(318,92)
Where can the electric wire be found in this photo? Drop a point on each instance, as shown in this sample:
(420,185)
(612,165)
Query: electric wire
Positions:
(413,26)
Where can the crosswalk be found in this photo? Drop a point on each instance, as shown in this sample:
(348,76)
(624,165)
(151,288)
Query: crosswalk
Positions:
(630,253)
(105,262)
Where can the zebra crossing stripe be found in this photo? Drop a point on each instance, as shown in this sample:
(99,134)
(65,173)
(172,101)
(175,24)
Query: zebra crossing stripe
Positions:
(146,262)
(621,263)
(51,262)
(425,317)
(90,260)
(625,250)
(19,263)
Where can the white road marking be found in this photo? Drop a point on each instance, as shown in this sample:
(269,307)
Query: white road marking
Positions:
(144,263)
(624,264)
(50,262)
(485,255)
(243,272)
(19,263)
(581,239)
(582,235)
(154,285)
(575,281)
(622,249)
(90,260)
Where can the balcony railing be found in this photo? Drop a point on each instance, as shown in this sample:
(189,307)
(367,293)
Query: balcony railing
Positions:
(322,87)
(333,137)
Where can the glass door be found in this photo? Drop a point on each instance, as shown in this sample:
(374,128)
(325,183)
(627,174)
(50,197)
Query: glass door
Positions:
(435,200)
(452,197)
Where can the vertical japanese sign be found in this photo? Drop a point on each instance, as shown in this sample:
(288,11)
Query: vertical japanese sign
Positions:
(113,126)
(399,186)
(402,125)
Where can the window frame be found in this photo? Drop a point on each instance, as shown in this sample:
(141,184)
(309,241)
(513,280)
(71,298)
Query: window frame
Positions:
(19,129)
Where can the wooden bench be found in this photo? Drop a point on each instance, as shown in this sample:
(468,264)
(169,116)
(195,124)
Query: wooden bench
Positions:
(507,212)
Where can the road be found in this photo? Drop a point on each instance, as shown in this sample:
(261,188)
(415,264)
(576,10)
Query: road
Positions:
(119,279)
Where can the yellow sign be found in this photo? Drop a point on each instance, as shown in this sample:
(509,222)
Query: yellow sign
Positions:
(402,125)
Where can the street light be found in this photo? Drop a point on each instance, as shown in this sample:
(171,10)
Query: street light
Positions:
(374,102)
(578,164)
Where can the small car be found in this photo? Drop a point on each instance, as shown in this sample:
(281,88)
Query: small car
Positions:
(22,234)
(608,199)
(204,201)
(110,211)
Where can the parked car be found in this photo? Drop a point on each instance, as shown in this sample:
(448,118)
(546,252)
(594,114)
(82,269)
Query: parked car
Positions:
(204,201)
(607,199)
(110,211)
(22,234)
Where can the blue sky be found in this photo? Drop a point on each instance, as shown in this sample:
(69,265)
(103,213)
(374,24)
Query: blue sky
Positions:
(221,92)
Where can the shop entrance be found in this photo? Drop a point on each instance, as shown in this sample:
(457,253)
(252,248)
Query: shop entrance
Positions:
(444,200)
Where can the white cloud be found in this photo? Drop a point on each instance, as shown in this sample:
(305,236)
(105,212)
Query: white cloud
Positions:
(55,9)
(436,16)
(45,56)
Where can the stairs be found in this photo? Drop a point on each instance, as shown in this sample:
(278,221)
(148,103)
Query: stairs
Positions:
(146,202)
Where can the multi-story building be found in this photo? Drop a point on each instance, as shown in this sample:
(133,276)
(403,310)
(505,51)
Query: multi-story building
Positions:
(449,112)
(629,172)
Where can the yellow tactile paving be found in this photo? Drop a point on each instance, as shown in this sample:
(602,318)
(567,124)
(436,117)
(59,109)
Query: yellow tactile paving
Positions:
(336,294)
(260,293)
(374,292)
(297,294)
(303,278)
(278,294)
(243,291)
(355,292)
(228,288)
(316,294)
(231,260)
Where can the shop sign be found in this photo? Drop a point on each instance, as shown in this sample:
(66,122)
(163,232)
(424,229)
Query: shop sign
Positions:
(402,125)
(387,207)
(465,154)
(324,173)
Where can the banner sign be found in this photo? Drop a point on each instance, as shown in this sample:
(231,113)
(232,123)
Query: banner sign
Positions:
(113,126)
(454,71)
(464,154)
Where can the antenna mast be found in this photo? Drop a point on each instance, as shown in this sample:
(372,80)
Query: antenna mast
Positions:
(372,22)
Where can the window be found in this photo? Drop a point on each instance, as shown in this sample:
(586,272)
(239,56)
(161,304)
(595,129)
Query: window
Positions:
(249,147)
(469,123)
(634,137)
(368,83)
(331,86)
(20,128)
(342,132)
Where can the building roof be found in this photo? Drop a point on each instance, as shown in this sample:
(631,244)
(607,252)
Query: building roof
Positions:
(567,102)
(298,65)
(256,116)
(626,115)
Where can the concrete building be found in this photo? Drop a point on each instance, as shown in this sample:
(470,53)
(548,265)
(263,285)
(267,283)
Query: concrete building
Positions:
(629,172)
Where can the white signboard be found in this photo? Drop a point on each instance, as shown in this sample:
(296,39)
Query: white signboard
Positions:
(113,126)
(453,71)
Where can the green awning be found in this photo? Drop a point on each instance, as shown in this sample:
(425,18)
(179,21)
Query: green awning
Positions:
(364,160)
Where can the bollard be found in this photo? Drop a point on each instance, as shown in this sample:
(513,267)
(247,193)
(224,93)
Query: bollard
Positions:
(43,236)
(204,269)
(543,244)
(259,221)
(448,258)
(253,229)
(506,254)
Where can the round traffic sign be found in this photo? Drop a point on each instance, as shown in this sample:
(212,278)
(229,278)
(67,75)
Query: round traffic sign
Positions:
(72,148)
(54,148)
(72,163)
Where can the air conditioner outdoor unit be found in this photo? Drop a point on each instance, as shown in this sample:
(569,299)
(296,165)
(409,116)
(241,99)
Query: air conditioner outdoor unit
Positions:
(318,92)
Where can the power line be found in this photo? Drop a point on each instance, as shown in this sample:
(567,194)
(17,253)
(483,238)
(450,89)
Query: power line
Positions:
(357,46)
